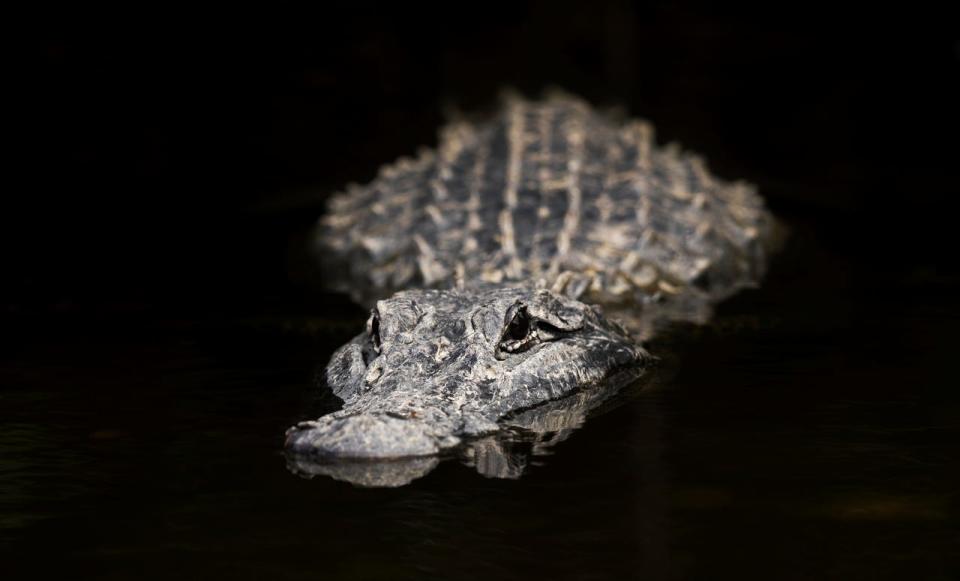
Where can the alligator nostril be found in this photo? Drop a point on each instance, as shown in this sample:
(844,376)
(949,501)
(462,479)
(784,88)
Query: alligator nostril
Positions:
(443,349)
(374,373)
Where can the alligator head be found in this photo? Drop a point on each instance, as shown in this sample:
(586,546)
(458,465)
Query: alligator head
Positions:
(435,367)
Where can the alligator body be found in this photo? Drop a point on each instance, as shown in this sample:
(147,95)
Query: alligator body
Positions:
(486,264)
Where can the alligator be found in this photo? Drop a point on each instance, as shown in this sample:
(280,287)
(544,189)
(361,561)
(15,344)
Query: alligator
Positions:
(524,260)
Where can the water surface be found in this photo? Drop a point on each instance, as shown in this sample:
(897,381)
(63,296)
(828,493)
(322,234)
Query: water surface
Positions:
(810,432)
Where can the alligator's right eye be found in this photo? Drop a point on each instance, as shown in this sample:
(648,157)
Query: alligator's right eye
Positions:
(373,329)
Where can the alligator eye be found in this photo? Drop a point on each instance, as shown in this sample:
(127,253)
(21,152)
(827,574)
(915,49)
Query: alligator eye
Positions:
(374,330)
(519,326)
(520,333)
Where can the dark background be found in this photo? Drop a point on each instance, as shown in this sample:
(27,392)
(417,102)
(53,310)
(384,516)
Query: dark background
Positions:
(172,156)
(159,325)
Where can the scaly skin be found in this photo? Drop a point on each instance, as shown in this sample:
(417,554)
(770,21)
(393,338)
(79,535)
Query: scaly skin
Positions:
(546,195)
(435,367)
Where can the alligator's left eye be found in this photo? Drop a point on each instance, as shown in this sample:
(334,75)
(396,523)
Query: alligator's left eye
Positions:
(523,331)
(519,326)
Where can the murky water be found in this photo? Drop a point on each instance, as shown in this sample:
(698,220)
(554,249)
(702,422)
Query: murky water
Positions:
(810,432)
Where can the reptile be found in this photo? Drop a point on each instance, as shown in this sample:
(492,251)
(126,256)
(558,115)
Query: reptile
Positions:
(524,260)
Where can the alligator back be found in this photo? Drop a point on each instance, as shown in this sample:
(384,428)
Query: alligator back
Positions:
(549,191)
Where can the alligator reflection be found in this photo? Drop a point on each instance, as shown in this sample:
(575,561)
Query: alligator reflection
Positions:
(506,454)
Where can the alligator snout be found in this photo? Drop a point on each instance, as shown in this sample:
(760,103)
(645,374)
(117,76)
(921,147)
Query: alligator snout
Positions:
(362,436)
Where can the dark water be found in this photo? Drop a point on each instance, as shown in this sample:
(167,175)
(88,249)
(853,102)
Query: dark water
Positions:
(810,432)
